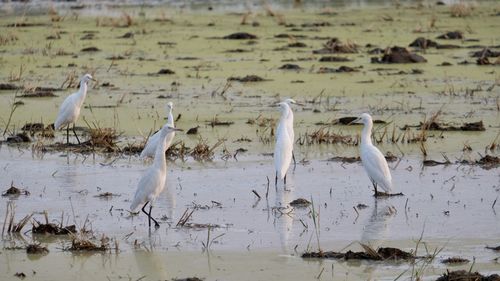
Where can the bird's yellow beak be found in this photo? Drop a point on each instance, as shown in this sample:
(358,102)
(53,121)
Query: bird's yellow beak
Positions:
(355,121)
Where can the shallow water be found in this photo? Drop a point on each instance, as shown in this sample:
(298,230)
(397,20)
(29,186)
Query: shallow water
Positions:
(450,206)
(255,235)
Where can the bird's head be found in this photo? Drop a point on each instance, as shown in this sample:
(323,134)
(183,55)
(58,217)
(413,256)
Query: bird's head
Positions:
(170,106)
(167,129)
(283,106)
(364,118)
(87,77)
(292,101)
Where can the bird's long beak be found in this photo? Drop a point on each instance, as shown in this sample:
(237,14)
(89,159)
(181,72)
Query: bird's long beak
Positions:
(177,129)
(355,121)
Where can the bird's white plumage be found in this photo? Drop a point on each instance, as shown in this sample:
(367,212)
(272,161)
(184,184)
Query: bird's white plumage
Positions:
(69,111)
(153,180)
(284,146)
(373,160)
(289,121)
(150,147)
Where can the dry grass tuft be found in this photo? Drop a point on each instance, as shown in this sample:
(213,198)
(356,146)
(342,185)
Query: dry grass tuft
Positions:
(461,10)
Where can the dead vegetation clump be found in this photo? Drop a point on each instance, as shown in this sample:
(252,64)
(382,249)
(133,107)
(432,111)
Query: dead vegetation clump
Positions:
(85,245)
(300,203)
(125,20)
(461,10)
(8,38)
(103,138)
(36,249)
(14,191)
(398,55)
(455,260)
(248,78)
(325,136)
(335,46)
(53,229)
(216,122)
(202,151)
(463,275)
(9,225)
(381,254)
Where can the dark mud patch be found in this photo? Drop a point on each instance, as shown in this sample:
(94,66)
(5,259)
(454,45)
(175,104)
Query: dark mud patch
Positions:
(497,248)
(216,122)
(342,69)
(20,275)
(26,24)
(451,35)
(238,51)
(36,249)
(38,94)
(485,53)
(52,229)
(127,35)
(349,121)
(165,71)
(435,126)
(455,260)
(382,254)
(486,61)
(286,35)
(14,191)
(193,131)
(240,36)
(333,59)
(290,66)
(297,45)
(248,78)
(8,87)
(90,50)
(344,159)
(106,195)
(300,203)
(187,279)
(423,43)
(399,55)
(462,275)
(335,46)
(18,138)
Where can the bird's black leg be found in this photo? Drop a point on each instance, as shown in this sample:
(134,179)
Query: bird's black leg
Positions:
(157,225)
(284,179)
(67,134)
(375,186)
(294,162)
(144,211)
(276,180)
(74,132)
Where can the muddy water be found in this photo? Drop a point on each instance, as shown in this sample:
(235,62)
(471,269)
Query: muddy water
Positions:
(261,239)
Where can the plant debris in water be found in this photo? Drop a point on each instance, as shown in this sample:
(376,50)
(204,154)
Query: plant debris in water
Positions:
(300,202)
(50,228)
(455,260)
(14,191)
(248,78)
(36,249)
(240,36)
(79,245)
(335,46)
(462,275)
(399,55)
(380,255)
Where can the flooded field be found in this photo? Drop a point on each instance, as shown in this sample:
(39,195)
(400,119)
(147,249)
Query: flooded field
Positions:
(221,217)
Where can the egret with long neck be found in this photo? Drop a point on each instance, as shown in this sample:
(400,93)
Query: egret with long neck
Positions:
(152,182)
(373,160)
(283,148)
(70,108)
(150,147)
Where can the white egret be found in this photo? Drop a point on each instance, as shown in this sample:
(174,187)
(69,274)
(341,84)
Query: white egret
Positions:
(150,147)
(70,108)
(284,146)
(152,182)
(289,126)
(373,160)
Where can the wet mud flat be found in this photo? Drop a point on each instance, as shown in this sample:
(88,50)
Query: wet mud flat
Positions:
(449,211)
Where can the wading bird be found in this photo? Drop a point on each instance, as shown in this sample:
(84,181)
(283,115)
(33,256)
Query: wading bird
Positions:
(150,147)
(289,126)
(373,160)
(283,148)
(70,108)
(152,181)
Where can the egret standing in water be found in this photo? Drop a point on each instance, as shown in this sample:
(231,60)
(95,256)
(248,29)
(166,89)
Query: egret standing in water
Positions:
(289,126)
(150,147)
(153,180)
(284,146)
(70,108)
(373,160)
